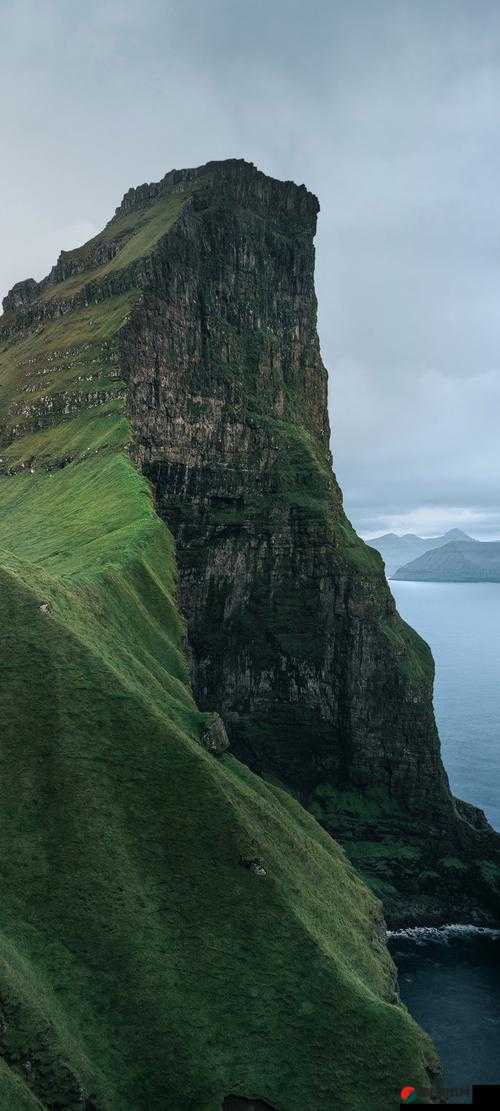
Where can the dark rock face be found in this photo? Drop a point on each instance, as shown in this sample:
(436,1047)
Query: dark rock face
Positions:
(214,737)
(22,294)
(293,632)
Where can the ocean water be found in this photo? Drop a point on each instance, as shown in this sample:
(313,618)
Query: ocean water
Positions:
(461,623)
(450,978)
(450,981)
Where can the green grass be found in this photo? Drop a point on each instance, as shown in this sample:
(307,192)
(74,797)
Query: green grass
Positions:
(382,850)
(89,432)
(414,655)
(371,806)
(140,963)
(381,888)
(47,374)
(14,1093)
(62,336)
(144,233)
(134,942)
(453,864)
(80,518)
(360,555)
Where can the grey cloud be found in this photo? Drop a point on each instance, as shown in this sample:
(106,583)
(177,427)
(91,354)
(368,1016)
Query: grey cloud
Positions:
(387,109)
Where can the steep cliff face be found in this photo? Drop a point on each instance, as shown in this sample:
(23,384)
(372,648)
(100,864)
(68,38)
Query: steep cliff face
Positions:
(293,633)
(175,932)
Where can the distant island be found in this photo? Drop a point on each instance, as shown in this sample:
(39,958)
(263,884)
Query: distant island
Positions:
(458,561)
(453,557)
(398,551)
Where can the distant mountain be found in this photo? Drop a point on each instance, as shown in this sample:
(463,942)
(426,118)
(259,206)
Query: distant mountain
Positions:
(398,550)
(458,561)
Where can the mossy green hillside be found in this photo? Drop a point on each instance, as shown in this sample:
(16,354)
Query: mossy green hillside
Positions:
(62,395)
(141,962)
(141,965)
(83,435)
(73,332)
(388,849)
(135,234)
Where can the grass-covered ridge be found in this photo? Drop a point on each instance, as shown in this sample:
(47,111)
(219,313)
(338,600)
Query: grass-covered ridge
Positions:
(135,235)
(134,944)
(141,965)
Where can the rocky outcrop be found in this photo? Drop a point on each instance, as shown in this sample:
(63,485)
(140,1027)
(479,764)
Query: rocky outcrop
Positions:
(22,294)
(293,632)
(214,737)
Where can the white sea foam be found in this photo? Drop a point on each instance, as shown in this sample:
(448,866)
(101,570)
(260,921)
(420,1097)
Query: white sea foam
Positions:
(444,934)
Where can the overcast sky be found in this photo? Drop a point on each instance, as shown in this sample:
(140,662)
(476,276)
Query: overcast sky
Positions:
(389,110)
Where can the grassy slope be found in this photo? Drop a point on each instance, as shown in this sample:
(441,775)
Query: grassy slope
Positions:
(139,962)
(139,235)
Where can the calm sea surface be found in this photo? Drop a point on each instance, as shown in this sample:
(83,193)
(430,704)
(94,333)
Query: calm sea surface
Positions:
(461,622)
(450,981)
(450,978)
